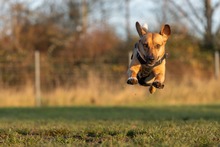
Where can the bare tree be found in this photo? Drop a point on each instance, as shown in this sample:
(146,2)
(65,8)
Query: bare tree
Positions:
(199,18)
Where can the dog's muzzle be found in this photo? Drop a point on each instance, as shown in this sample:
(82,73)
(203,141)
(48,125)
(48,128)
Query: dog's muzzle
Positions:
(150,59)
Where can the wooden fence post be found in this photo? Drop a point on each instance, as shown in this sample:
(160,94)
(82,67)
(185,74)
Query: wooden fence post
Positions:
(216,64)
(37,79)
(129,58)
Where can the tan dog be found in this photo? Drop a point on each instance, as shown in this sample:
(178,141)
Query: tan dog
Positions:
(148,59)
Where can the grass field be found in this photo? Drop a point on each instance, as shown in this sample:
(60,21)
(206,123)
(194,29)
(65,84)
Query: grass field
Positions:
(111,126)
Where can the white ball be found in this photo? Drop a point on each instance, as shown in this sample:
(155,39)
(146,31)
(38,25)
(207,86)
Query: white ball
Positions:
(145,26)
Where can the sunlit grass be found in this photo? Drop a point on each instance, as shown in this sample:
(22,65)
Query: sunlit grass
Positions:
(111,126)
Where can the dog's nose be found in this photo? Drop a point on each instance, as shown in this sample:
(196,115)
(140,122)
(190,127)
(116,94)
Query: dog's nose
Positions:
(150,58)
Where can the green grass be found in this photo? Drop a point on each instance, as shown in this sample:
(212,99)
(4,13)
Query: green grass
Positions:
(111,126)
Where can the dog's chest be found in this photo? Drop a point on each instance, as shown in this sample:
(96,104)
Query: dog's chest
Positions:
(145,71)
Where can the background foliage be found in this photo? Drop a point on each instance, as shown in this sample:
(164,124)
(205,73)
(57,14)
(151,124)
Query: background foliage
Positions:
(78,41)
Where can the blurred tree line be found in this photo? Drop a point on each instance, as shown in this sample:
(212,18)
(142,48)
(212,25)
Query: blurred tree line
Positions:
(73,41)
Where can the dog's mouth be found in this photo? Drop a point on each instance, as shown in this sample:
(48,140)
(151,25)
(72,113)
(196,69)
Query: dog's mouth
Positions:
(150,61)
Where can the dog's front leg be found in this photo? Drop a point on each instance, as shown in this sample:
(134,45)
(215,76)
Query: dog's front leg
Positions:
(159,73)
(158,82)
(132,74)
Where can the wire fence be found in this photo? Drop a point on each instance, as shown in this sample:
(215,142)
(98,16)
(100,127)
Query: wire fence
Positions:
(54,72)
(46,73)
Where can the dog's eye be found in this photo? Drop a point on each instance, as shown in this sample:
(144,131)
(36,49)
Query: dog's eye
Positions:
(145,45)
(157,46)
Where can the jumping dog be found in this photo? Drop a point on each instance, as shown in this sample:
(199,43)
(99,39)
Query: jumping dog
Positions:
(148,60)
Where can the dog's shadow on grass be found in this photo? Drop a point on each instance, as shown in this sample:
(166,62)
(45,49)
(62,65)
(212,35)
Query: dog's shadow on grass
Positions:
(185,113)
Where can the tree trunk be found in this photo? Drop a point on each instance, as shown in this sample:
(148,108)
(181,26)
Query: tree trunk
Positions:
(84,16)
(127,18)
(208,36)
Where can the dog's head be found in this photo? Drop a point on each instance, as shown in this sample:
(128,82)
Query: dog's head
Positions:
(152,45)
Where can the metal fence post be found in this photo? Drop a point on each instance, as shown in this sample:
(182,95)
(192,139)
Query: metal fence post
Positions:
(37,79)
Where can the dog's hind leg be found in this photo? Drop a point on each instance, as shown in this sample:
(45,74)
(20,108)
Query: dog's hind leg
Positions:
(152,89)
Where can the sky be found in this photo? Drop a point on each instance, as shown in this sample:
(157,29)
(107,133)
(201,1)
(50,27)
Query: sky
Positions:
(138,12)
(143,11)
(148,12)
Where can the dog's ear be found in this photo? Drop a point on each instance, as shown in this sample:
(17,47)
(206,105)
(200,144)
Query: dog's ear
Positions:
(165,30)
(141,31)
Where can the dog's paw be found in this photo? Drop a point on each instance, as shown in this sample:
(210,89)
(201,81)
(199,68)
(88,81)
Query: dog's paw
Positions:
(132,81)
(158,85)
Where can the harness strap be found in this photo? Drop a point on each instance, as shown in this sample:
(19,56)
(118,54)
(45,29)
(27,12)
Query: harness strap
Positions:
(139,56)
(142,61)
(161,60)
